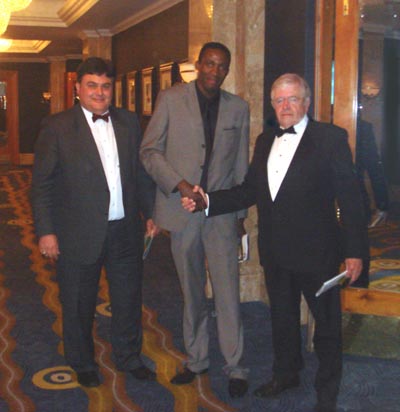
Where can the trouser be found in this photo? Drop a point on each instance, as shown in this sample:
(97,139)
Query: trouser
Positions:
(214,239)
(284,289)
(121,257)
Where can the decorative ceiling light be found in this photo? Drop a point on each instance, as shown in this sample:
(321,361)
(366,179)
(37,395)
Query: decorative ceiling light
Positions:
(17,5)
(7,7)
(5,44)
(4,17)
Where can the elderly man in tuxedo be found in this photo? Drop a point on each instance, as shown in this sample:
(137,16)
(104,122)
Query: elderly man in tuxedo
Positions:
(298,173)
(88,192)
(198,134)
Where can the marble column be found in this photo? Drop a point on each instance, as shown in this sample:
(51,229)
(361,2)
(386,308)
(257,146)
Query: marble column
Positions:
(96,43)
(240,25)
(57,84)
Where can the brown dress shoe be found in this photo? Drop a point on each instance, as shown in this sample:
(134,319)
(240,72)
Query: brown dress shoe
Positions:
(276,386)
(186,376)
(143,373)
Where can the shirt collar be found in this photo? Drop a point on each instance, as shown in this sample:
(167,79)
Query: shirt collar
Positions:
(203,99)
(88,114)
(301,126)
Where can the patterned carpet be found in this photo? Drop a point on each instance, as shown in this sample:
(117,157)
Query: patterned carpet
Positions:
(33,375)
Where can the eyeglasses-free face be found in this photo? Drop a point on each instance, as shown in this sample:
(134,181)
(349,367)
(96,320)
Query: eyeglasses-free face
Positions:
(289,104)
(95,92)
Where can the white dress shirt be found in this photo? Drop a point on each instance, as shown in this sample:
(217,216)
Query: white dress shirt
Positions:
(104,137)
(281,155)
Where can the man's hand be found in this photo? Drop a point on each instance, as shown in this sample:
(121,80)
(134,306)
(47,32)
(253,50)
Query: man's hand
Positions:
(191,192)
(48,246)
(151,228)
(353,267)
(192,205)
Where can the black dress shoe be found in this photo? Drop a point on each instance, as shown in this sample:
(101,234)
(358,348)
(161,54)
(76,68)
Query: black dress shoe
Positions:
(89,379)
(237,387)
(275,387)
(143,373)
(187,376)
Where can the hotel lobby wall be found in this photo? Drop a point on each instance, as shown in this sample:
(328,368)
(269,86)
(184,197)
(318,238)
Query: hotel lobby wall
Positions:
(33,79)
(160,39)
(289,43)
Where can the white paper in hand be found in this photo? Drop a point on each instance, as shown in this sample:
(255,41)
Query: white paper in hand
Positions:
(336,280)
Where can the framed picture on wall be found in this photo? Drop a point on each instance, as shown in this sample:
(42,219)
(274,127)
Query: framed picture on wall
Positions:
(165,76)
(146,91)
(131,90)
(118,91)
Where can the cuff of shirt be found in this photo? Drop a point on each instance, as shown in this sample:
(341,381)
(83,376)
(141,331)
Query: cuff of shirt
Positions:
(208,203)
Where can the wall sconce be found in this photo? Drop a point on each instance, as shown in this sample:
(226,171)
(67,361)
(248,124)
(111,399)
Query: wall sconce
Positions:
(370,90)
(46,97)
(188,72)
(5,44)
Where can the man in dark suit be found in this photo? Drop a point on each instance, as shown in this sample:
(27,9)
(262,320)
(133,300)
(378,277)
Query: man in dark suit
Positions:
(297,174)
(198,134)
(88,191)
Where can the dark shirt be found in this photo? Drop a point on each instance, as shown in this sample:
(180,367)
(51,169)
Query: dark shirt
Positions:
(209,113)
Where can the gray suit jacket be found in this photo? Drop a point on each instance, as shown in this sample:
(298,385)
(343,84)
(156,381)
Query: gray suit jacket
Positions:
(174,148)
(70,195)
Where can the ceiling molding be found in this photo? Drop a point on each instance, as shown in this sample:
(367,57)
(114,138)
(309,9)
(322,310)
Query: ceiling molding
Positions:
(36,21)
(88,34)
(29,46)
(41,13)
(74,9)
(150,11)
(23,59)
(93,34)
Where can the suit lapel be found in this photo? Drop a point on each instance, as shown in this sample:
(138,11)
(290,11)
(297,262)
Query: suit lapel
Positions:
(192,103)
(121,137)
(269,140)
(86,140)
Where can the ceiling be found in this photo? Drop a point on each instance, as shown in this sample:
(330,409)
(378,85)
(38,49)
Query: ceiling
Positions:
(53,29)
(50,29)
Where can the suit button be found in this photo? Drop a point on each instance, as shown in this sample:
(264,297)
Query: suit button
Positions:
(202,167)
(203,146)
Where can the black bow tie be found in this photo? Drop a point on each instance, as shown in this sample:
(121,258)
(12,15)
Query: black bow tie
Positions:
(280,132)
(104,116)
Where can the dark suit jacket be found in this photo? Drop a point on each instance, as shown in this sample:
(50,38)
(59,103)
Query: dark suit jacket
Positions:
(70,194)
(300,230)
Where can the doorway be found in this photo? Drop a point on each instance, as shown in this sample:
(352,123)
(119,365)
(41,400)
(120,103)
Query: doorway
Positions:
(357,83)
(9,132)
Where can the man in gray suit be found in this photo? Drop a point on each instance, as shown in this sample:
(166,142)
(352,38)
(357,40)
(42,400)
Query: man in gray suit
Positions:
(88,190)
(199,134)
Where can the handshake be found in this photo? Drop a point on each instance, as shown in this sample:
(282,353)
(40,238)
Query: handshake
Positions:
(193,198)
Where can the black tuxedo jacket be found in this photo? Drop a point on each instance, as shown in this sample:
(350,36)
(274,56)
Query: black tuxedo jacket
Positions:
(300,230)
(70,195)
